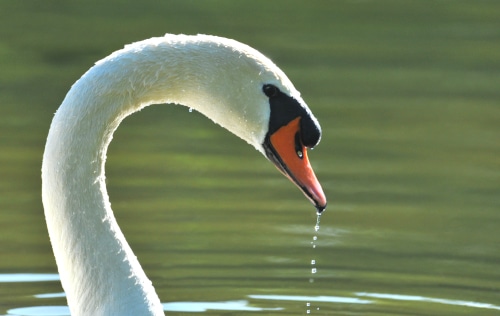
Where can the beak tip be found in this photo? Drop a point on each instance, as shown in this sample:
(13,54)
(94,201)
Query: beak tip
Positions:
(317,197)
(320,208)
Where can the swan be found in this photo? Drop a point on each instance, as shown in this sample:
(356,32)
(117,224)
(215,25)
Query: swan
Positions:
(229,82)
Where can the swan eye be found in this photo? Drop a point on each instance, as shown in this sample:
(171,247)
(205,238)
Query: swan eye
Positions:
(270,90)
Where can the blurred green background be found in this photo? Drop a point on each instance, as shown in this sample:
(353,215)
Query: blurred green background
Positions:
(407,93)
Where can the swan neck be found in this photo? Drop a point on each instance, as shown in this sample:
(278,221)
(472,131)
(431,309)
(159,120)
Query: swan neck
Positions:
(99,272)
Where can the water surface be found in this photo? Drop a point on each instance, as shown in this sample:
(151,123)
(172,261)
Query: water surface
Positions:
(408,97)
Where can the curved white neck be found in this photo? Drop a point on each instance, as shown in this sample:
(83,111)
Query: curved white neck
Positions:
(99,272)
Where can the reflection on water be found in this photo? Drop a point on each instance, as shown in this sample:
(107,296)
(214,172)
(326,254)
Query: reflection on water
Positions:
(399,297)
(50,295)
(299,298)
(40,311)
(220,306)
(245,305)
(28,277)
(233,305)
(191,307)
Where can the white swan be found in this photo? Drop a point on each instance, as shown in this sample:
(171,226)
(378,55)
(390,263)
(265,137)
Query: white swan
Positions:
(229,82)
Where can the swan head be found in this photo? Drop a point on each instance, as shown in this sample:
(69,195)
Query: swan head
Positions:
(245,92)
(238,88)
(291,130)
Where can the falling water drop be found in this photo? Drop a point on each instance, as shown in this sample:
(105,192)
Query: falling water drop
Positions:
(314,270)
(318,219)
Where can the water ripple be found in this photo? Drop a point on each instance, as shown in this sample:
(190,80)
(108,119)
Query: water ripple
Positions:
(237,305)
(28,277)
(299,298)
(399,297)
(206,306)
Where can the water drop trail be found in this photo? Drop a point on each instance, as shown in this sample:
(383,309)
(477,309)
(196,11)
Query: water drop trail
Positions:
(314,269)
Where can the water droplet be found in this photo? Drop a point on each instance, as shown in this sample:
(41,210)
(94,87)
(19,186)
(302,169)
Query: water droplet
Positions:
(318,219)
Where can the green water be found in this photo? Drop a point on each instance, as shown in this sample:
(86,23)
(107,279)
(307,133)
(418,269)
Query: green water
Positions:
(408,95)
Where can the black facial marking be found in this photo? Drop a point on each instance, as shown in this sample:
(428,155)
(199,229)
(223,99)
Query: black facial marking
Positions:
(284,109)
(310,132)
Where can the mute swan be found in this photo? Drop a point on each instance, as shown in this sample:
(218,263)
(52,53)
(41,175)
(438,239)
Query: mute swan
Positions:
(229,82)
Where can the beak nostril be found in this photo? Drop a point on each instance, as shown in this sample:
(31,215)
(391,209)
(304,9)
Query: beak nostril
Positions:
(299,149)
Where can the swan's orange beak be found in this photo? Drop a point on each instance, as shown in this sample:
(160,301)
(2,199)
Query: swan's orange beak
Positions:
(286,151)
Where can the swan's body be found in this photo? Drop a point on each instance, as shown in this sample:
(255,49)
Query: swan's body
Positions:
(231,83)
